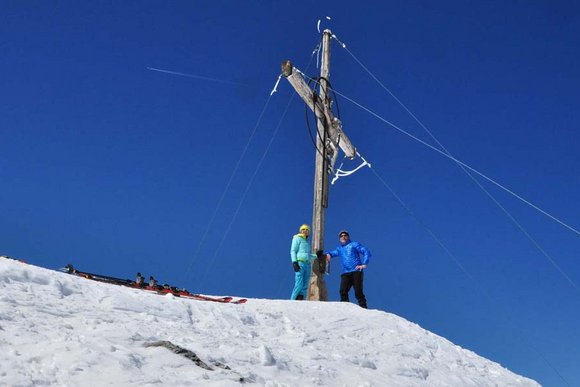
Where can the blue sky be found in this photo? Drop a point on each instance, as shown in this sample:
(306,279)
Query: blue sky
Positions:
(117,169)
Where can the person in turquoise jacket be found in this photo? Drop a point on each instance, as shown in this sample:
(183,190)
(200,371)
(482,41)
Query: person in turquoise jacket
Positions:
(300,254)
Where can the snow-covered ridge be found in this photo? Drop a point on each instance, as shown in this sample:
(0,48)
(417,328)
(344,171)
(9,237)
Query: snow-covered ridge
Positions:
(61,330)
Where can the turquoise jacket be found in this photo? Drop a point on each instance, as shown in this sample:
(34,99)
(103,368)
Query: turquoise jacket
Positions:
(300,249)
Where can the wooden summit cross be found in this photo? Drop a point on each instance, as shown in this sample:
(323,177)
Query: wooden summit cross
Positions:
(329,138)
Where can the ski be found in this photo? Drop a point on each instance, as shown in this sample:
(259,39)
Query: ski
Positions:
(151,286)
(96,277)
(214,299)
(224,300)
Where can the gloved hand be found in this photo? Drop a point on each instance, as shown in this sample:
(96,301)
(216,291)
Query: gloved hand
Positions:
(320,254)
(296,266)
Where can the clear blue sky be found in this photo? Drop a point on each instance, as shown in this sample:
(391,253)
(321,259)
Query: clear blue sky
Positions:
(117,169)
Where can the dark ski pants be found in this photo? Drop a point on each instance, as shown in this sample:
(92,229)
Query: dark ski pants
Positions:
(349,280)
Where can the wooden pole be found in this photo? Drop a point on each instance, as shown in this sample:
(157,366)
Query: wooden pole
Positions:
(317,289)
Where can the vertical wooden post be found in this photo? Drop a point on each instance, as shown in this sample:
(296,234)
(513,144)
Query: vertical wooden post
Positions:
(317,290)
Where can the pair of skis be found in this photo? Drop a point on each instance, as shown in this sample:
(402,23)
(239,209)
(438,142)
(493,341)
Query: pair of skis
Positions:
(158,289)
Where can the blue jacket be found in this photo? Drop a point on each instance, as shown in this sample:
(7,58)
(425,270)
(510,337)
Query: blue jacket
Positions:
(351,255)
(300,249)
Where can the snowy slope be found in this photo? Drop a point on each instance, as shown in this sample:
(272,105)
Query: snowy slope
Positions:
(61,330)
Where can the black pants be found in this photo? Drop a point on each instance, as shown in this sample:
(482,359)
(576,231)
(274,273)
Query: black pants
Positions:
(349,280)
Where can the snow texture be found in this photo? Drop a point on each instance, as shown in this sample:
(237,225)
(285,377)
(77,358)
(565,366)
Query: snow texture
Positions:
(61,330)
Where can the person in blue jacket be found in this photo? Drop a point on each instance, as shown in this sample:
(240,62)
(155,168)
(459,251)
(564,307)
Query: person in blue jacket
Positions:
(354,258)
(300,254)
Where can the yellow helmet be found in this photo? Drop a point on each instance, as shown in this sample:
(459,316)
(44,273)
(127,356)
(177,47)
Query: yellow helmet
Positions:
(305,227)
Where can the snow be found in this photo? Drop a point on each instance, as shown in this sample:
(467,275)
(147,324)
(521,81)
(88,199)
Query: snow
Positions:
(61,330)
